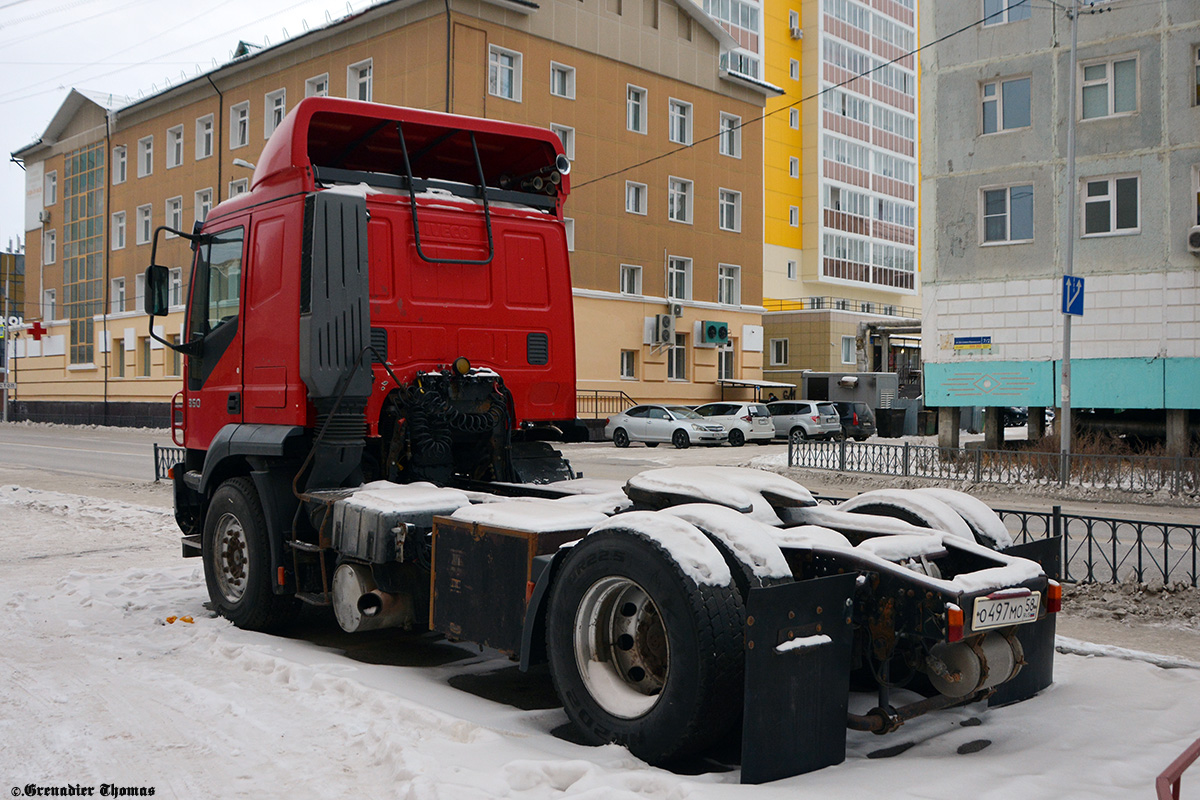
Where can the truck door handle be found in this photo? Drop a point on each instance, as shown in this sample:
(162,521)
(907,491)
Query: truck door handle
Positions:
(233,404)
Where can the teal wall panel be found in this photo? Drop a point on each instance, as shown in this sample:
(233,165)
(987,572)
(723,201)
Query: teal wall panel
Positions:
(989,383)
(1181,383)
(1115,382)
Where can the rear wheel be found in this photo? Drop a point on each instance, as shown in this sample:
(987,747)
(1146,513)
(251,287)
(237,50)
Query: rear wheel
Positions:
(620,438)
(237,560)
(680,439)
(737,438)
(798,435)
(640,654)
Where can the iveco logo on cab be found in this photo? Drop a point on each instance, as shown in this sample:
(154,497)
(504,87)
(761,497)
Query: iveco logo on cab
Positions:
(445,231)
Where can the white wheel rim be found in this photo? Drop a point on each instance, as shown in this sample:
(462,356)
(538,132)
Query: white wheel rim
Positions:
(231,555)
(621,647)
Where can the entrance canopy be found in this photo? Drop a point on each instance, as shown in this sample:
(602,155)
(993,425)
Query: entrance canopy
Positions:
(757,386)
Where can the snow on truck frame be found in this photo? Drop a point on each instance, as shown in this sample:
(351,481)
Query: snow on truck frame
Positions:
(341,450)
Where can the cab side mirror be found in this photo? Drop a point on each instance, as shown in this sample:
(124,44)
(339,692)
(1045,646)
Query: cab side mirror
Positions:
(158,286)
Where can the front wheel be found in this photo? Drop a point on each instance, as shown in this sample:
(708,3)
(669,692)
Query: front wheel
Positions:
(681,440)
(798,435)
(737,438)
(237,560)
(620,438)
(640,654)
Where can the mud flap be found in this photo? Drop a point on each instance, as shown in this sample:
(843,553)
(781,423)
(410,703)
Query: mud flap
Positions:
(1037,639)
(796,698)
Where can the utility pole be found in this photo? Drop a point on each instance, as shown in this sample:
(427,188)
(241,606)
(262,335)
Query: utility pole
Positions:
(1064,436)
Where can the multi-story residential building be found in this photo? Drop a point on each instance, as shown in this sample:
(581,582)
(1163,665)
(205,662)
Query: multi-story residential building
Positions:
(840,181)
(621,82)
(996,103)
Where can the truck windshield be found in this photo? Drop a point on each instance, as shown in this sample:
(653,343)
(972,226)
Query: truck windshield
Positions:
(217,282)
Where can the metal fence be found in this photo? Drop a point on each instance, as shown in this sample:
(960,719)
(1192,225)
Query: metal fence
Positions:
(1106,549)
(165,458)
(1175,475)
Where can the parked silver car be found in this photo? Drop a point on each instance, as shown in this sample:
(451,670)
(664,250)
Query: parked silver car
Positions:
(798,420)
(653,424)
(745,422)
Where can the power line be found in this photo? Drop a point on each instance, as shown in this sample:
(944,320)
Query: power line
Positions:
(813,96)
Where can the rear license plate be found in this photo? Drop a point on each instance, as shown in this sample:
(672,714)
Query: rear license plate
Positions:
(1001,610)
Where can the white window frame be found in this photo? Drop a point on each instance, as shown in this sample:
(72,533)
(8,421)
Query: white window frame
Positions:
(274,110)
(139,290)
(567,74)
(1110,84)
(726,362)
(1111,199)
(677,359)
(679,277)
(1196,52)
(794,118)
(239,186)
(145,224)
(360,80)
(636,198)
(173,214)
(317,86)
(239,125)
(679,121)
(793,19)
(566,135)
(569,229)
(496,68)
(205,128)
(731,135)
(175,147)
(50,246)
(631,279)
(793,167)
(679,189)
(120,158)
(175,292)
(794,69)
(628,368)
(49,303)
(50,188)
(727,198)
(1008,215)
(202,203)
(779,352)
(791,269)
(636,103)
(117,239)
(996,99)
(794,216)
(117,296)
(849,340)
(145,154)
(1013,11)
(729,284)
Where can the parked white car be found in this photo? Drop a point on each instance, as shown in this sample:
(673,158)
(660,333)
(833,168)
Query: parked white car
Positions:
(744,422)
(653,424)
(797,420)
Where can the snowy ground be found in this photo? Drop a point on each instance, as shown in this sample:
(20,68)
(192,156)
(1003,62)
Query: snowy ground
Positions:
(100,689)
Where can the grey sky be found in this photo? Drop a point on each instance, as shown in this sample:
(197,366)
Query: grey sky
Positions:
(119,48)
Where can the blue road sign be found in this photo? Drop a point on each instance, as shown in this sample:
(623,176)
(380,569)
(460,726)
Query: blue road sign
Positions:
(1072,295)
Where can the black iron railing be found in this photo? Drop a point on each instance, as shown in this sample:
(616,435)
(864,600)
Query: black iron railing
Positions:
(165,458)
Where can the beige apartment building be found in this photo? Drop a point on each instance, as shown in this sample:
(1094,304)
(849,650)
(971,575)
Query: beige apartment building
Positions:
(623,84)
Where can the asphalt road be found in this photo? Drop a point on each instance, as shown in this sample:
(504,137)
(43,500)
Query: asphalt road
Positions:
(120,453)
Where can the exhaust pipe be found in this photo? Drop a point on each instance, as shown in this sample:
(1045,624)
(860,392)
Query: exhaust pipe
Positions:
(360,606)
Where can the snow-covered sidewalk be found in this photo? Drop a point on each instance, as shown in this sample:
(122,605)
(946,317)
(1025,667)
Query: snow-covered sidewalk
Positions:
(100,689)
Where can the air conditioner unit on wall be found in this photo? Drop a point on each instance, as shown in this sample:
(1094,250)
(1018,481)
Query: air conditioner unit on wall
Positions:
(664,329)
(1193,239)
(797,33)
(676,309)
(44,216)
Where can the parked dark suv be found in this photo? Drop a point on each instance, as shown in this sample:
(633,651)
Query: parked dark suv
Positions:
(857,420)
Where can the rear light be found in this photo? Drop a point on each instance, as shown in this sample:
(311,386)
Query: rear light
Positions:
(747,418)
(816,419)
(171,474)
(954,623)
(1053,597)
(855,418)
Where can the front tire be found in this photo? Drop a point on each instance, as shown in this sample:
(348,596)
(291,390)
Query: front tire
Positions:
(237,560)
(681,440)
(640,654)
(620,438)
(737,438)
(798,435)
